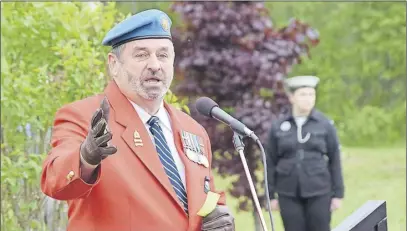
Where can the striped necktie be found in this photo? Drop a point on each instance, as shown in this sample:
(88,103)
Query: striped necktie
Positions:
(167,161)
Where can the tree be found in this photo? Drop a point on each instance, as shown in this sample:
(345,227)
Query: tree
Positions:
(360,60)
(230,52)
(51,55)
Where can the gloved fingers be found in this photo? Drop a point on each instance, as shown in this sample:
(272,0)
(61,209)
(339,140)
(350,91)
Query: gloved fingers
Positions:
(105,107)
(99,128)
(108,151)
(104,139)
(228,227)
(96,117)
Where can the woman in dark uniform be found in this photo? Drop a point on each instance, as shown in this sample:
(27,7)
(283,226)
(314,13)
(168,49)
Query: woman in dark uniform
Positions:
(303,159)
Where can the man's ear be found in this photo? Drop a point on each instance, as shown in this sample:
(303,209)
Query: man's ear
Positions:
(113,64)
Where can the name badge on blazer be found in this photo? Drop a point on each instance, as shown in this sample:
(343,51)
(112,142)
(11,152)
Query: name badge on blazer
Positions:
(194,148)
(211,201)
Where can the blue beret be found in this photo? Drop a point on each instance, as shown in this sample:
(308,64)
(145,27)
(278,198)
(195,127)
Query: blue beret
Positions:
(146,24)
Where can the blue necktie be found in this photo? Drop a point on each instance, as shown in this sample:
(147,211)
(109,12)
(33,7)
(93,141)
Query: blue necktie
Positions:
(167,161)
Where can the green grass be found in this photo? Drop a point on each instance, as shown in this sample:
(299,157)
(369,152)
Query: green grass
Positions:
(369,174)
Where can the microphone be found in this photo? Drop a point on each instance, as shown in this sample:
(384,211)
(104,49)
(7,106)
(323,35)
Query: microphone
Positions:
(209,108)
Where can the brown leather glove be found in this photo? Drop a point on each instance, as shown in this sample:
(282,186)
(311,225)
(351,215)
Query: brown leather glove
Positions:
(95,148)
(219,219)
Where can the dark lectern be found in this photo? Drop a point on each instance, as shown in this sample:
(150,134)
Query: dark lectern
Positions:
(372,216)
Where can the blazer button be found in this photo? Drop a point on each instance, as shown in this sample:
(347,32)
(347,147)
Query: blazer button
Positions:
(70,175)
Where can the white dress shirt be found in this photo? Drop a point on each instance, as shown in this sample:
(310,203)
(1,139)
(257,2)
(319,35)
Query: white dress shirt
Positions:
(165,125)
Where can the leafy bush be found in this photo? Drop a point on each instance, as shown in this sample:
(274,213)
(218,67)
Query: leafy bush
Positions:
(231,52)
(373,125)
(51,55)
(361,65)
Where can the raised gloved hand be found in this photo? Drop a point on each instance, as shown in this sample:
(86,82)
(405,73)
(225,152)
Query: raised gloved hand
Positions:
(95,148)
(219,219)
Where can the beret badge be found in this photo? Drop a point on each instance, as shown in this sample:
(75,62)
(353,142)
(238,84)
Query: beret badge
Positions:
(165,24)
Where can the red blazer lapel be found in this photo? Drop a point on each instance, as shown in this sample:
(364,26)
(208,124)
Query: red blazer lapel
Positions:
(126,115)
(194,173)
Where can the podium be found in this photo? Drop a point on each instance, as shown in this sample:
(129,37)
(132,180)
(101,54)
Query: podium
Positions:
(372,216)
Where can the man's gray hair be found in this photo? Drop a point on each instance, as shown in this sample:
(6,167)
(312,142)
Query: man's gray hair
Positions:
(118,50)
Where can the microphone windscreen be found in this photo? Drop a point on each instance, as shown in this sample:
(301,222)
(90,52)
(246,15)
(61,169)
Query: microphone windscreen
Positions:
(204,105)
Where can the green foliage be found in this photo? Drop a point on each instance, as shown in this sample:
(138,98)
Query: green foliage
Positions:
(177,102)
(20,205)
(361,64)
(51,55)
(372,125)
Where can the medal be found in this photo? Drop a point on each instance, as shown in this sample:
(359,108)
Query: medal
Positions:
(187,145)
(203,160)
(193,148)
(192,155)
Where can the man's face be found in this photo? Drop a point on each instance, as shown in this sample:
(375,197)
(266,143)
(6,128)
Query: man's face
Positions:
(145,68)
(303,99)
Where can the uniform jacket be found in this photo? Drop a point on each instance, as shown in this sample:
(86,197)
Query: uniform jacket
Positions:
(132,191)
(305,169)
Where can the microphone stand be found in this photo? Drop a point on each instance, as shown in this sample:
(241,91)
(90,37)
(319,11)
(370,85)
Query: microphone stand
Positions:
(239,146)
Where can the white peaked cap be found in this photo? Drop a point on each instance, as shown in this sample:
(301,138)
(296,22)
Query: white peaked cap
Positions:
(302,81)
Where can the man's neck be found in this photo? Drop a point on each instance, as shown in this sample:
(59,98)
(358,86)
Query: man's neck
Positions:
(150,106)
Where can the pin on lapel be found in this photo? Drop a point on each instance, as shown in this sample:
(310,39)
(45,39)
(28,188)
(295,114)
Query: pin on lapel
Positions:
(137,139)
(207,186)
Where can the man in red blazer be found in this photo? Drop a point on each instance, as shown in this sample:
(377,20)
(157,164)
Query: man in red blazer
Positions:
(125,160)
